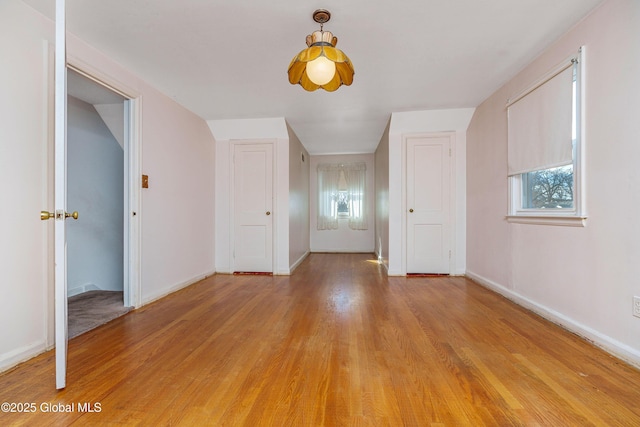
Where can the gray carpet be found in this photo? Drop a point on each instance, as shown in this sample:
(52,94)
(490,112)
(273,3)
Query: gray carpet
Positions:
(92,309)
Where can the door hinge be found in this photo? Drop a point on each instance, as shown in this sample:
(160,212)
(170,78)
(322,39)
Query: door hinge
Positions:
(449,254)
(449,152)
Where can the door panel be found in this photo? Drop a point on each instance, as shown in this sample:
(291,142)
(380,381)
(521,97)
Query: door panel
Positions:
(428,241)
(252,242)
(428,199)
(427,166)
(60,197)
(252,213)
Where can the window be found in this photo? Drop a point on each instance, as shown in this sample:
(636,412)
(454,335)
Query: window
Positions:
(342,200)
(341,194)
(544,149)
(548,188)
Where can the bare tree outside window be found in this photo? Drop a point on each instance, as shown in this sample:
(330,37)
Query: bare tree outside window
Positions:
(548,189)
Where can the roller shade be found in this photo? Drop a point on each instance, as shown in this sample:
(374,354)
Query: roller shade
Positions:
(540,124)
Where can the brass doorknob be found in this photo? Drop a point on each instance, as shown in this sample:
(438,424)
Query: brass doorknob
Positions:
(45,215)
(268,213)
(410,210)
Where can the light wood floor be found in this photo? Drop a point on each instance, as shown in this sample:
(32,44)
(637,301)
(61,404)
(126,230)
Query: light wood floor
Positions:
(337,343)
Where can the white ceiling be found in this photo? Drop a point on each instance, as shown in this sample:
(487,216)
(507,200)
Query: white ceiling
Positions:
(227,59)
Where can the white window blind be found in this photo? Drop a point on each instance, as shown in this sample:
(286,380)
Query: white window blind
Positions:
(540,124)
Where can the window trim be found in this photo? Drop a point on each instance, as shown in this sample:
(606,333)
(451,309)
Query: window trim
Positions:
(562,220)
(560,217)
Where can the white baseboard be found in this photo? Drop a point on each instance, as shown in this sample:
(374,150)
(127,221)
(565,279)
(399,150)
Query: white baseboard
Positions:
(342,251)
(22,354)
(176,287)
(11,359)
(299,261)
(82,289)
(605,342)
(385,266)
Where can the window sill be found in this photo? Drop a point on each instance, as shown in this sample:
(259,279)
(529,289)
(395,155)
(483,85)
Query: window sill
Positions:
(566,221)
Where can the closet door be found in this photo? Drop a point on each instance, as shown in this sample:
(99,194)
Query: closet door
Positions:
(252,190)
(428,204)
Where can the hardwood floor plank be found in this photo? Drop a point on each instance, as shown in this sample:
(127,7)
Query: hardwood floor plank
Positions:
(492,379)
(337,343)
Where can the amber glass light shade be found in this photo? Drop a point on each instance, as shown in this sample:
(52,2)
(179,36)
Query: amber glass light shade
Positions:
(310,68)
(321,70)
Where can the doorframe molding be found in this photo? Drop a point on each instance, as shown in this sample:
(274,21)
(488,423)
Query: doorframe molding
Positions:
(452,196)
(133,139)
(274,197)
(132,188)
(132,212)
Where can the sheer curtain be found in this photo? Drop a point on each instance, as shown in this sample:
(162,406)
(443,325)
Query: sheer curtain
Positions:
(356,176)
(328,178)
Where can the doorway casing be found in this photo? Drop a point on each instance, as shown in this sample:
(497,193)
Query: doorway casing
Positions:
(131,190)
(270,206)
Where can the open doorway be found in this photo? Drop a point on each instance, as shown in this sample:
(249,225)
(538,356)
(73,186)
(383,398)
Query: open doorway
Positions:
(96,180)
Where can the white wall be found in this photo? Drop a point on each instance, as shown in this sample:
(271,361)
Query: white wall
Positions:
(382,198)
(178,207)
(420,122)
(272,130)
(583,278)
(344,239)
(298,200)
(24,292)
(177,153)
(113,116)
(95,175)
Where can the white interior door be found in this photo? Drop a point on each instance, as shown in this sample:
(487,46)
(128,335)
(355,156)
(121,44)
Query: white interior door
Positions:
(252,213)
(60,198)
(428,204)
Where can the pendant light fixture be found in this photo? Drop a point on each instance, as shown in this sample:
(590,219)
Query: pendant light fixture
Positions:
(321,65)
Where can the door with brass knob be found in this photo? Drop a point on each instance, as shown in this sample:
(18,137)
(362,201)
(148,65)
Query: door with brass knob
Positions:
(252,235)
(81,182)
(428,171)
(60,199)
